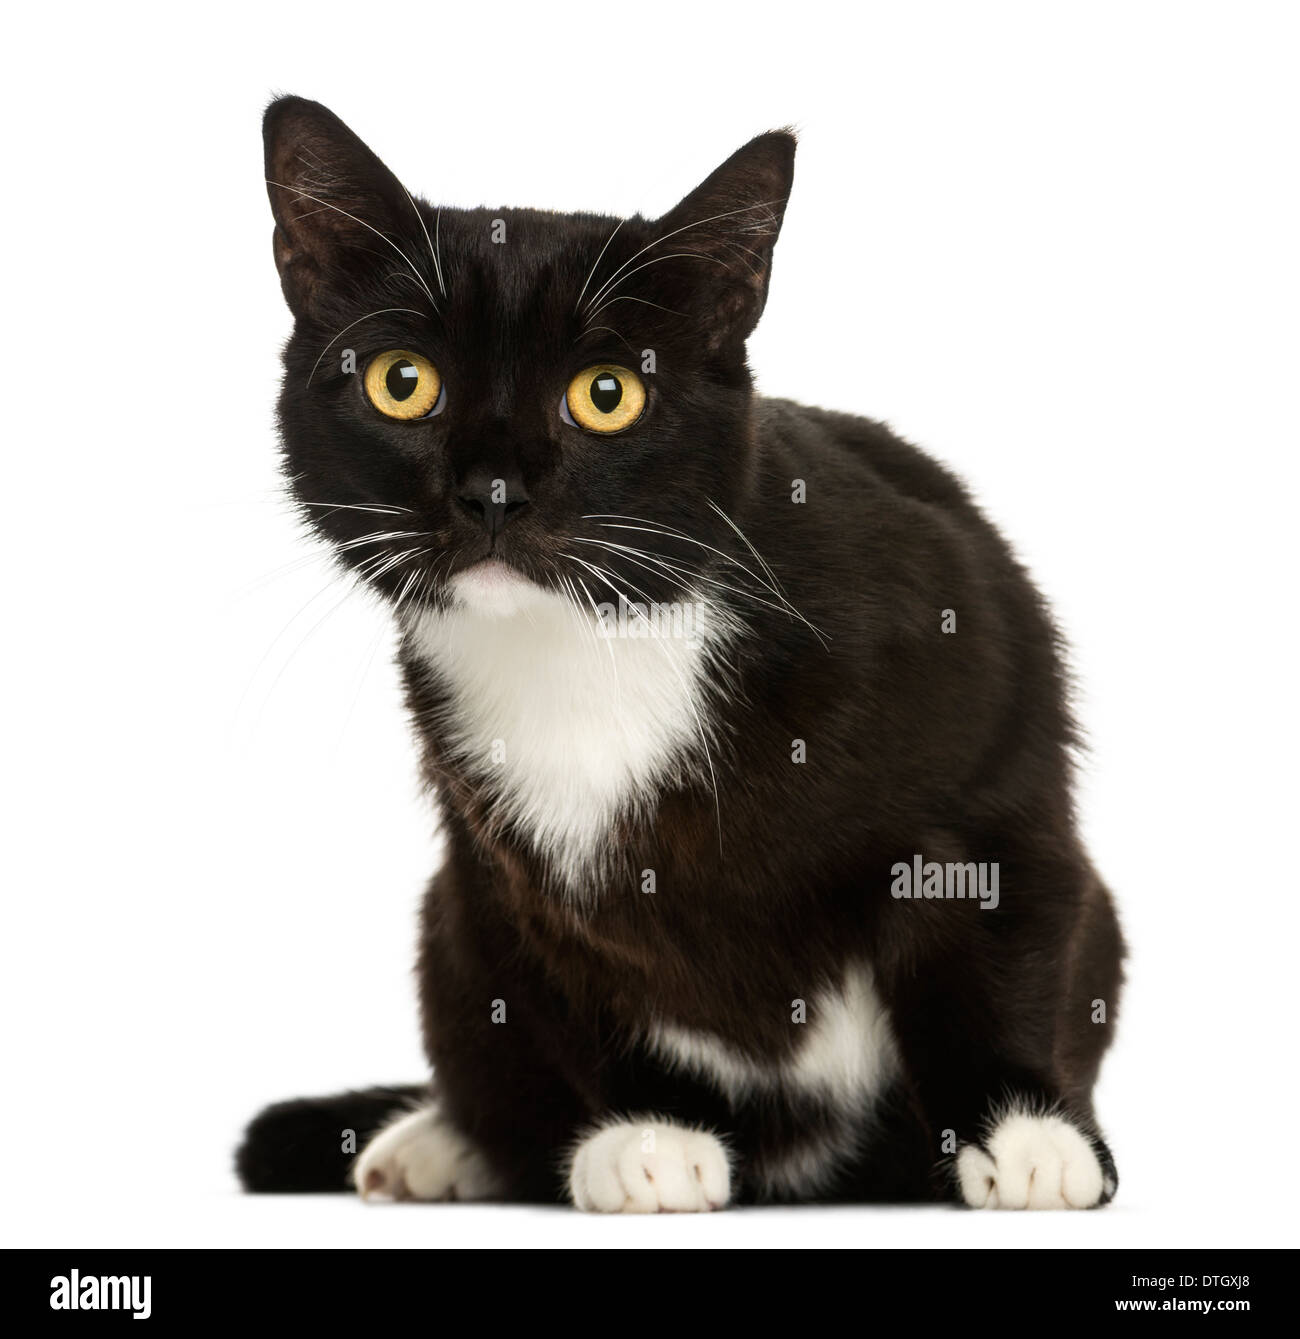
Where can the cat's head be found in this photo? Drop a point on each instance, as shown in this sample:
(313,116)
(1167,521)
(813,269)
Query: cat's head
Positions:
(481,402)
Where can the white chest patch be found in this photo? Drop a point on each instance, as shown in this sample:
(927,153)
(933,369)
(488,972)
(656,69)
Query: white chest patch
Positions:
(570,724)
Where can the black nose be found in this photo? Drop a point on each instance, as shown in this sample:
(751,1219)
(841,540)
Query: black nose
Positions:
(492,499)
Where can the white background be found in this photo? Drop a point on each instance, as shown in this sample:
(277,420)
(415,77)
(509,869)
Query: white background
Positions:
(1054,244)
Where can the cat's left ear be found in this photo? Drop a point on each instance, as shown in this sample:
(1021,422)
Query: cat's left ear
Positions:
(725,231)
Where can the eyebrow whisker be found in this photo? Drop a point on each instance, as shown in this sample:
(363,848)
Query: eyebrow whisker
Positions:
(383,311)
(326,205)
(599,258)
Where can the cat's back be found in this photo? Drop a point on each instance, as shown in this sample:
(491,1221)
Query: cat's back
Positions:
(850,448)
(882,516)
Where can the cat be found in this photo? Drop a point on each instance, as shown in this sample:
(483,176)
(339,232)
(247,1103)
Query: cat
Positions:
(749,736)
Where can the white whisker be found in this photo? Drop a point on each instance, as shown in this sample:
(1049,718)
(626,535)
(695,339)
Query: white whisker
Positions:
(658,260)
(624,297)
(687,695)
(437,265)
(326,204)
(599,258)
(699,223)
(382,508)
(381,312)
(758,557)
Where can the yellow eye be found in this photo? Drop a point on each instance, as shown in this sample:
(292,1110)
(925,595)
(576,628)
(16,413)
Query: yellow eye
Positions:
(605,398)
(402,384)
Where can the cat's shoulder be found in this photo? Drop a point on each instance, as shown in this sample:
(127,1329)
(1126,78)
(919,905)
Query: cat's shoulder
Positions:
(825,436)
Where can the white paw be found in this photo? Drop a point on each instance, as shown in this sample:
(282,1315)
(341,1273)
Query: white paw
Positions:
(421,1157)
(1032,1162)
(649,1166)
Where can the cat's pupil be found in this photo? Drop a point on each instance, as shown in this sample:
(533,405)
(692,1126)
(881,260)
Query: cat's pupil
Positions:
(606,392)
(402,379)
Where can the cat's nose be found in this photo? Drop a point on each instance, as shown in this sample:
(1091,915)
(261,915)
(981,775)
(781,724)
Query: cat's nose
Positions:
(492,499)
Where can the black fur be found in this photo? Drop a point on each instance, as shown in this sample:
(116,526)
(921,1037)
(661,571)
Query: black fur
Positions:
(954,746)
(303,1146)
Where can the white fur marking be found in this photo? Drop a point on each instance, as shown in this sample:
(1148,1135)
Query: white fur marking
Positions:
(572,729)
(809,1167)
(649,1166)
(846,1055)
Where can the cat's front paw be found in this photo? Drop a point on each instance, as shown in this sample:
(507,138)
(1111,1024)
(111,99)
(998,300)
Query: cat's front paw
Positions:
(1033,1161)
(649,1166)
(422,1157)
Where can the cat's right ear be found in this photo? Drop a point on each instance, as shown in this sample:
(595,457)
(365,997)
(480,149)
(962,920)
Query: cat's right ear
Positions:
(335,203)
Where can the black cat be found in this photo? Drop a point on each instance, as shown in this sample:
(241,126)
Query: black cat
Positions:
(748,733)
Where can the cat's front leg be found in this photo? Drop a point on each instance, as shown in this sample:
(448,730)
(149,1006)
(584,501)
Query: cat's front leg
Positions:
(1002,1057)
(649,1165)
(623,1165)
(1005,1137)
(1035,1159)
